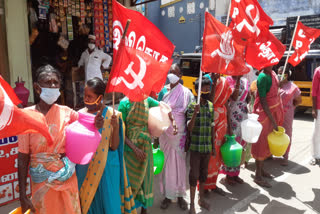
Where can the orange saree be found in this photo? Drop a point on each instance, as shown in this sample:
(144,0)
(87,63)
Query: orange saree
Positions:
(57,196)
(222,94)
(260,150)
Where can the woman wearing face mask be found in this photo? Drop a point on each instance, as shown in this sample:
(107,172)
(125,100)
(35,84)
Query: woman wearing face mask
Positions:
(238,113)
(172,184)
(54,183)
(101,194)
(291,98)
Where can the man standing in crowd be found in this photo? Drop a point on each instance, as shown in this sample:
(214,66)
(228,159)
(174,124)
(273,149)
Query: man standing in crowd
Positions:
(316,115)
(93,60)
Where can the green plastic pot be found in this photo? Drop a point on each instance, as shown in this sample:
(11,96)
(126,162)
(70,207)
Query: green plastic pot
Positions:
(231,152)
(158,160)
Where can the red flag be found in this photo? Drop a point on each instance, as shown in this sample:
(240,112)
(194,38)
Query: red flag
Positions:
(143,60)
(15,121)
(15,100)
(303,39)
(265,53)
(249,21)
(220,53)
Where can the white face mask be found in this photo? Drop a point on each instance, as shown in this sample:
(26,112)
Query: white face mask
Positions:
(49,95)
(91,46)
(173,79)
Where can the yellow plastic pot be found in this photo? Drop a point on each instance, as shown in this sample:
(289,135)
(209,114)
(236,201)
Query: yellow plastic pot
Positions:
(278,142)
(19,211)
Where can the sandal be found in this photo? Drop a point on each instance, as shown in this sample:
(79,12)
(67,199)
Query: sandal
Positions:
(182,203)
(238,180)
(165,204)
(262,183)
(266,174)
(314,162)
(228,180)
(219,191)
(204,205)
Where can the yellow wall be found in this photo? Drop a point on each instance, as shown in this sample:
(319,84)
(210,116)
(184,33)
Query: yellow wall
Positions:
(18,42)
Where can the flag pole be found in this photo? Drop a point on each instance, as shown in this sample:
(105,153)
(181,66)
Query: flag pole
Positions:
(123,37)
(286,63)
(200,73)
(228,16)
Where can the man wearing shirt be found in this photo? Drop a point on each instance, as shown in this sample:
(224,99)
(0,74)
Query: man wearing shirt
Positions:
(316,115)
(93,60)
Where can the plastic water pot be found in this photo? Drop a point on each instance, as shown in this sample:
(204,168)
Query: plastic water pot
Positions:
(19,211)
(22,93)
(158,160)
(158,120)
(251,129)
(278,142)
(231,152)
(82,139)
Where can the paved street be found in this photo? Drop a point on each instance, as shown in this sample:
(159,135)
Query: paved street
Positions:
(296,188)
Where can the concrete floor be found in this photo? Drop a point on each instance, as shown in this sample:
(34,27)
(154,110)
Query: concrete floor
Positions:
(296,188)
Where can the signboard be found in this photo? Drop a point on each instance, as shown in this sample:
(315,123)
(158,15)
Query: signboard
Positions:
(312,21)
(9,188)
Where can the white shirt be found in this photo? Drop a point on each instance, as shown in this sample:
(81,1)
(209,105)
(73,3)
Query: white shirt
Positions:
(92,63)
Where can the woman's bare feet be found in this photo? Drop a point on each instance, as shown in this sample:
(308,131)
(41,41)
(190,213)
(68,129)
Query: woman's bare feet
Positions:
(238,180)
(203,204)
(262,183)
(192,209)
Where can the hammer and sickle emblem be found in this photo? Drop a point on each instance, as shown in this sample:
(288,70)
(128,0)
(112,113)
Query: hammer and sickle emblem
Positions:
(226,50)
(137,77)
(244,23)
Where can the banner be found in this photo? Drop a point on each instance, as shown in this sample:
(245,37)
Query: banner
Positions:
(9,185)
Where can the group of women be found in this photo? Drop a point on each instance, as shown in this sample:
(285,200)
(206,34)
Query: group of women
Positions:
(102,186)
(119,178)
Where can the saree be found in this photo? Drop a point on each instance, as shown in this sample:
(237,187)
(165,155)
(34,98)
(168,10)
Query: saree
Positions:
(57,195)
(238,113)
(288,93)
(173,177)
(140,173)
(260,150)
(103,183)
(222,93)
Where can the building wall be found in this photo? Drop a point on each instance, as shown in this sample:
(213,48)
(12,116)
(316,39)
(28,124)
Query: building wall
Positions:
(18,42)
(188,35)
(185,36)
(279,10)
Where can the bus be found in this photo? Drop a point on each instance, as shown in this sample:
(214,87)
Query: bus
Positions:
(302,74)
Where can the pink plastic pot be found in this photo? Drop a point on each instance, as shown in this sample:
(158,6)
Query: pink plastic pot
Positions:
(82,139)
(22,93)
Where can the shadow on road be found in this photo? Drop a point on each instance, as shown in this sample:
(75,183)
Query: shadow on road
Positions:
(273,166)
(315,203)
(280,208)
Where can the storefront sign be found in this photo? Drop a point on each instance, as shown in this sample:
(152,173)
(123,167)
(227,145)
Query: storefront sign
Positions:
(9,188)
